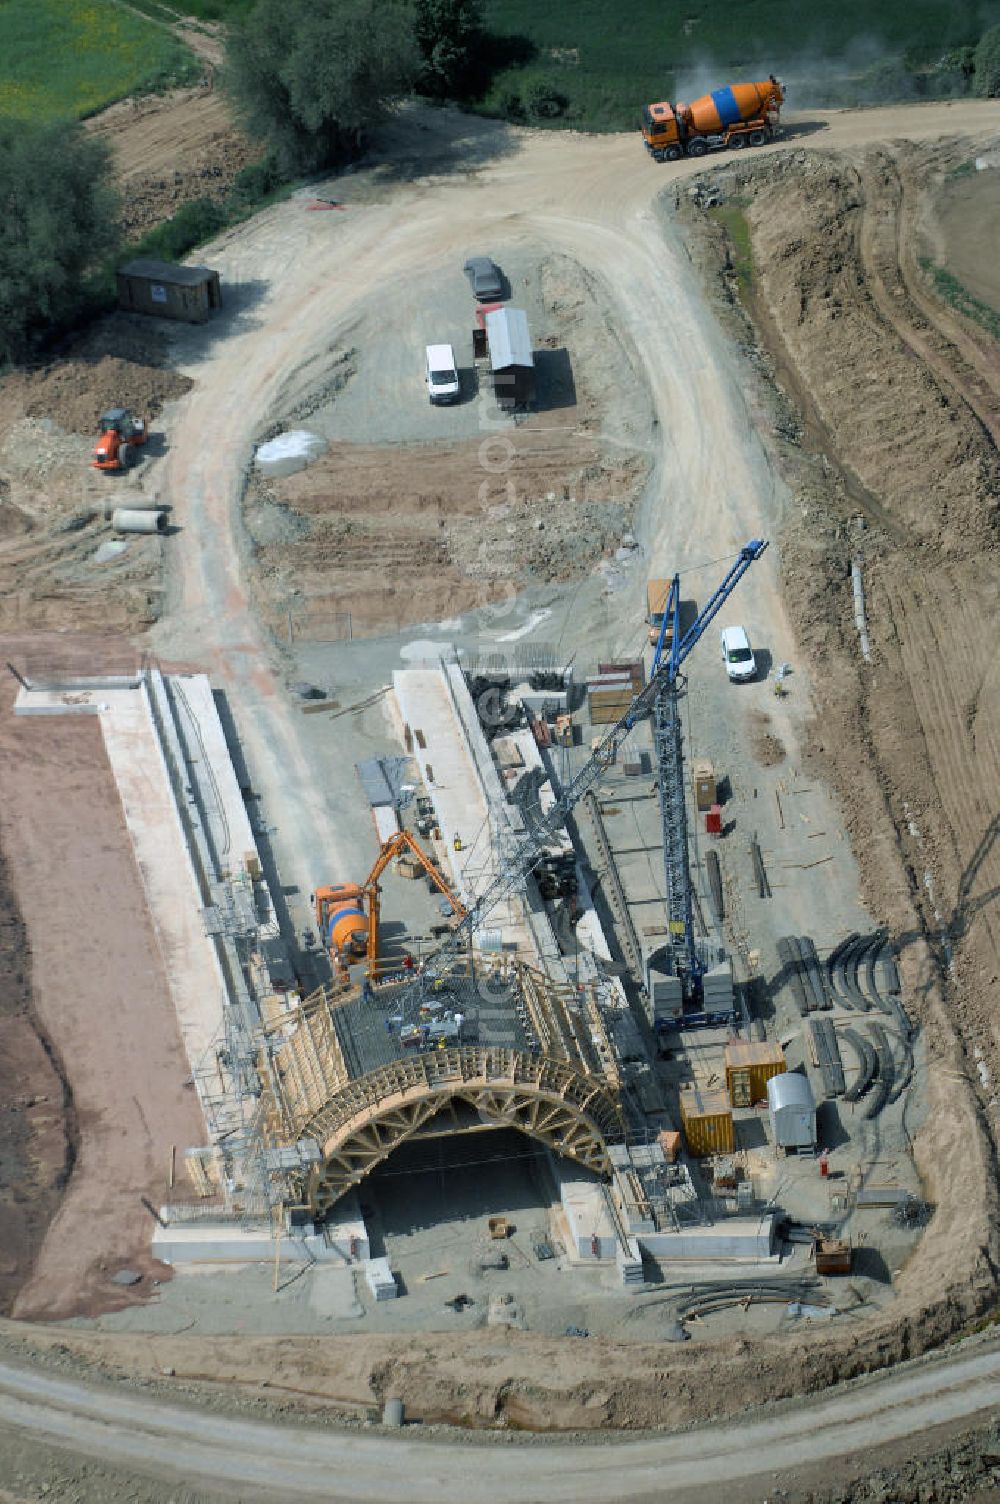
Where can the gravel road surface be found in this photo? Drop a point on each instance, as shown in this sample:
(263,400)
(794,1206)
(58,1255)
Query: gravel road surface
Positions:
(281,1462)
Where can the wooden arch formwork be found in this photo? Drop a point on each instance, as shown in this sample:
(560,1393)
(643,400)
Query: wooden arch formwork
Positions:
(544,1099)
(356,1123)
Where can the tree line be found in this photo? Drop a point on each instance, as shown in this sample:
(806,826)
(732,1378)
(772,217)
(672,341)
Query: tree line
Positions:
(308,79)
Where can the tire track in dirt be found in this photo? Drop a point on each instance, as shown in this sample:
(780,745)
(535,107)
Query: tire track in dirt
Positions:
(169,149)
(203,38)
(923,326)
(955,687)
(594,200)
(970,342)
(945,678)
(599,194)
(898,735)
(281,1461)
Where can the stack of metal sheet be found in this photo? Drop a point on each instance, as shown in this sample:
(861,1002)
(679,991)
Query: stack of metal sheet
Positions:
(826,1052)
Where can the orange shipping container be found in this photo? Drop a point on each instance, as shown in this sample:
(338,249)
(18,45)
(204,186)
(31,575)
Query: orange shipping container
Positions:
(750,1064)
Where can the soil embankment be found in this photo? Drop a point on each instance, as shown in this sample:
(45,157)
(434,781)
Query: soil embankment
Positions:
(89,1138)
(885,424)
(908,397)
(37,1121)
(170,148)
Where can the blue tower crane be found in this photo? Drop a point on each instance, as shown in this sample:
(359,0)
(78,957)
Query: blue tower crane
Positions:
(661,696)
(666,683)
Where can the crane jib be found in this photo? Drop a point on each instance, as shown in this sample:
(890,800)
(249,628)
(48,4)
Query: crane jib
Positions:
(663,684)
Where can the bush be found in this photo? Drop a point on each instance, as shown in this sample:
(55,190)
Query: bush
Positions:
(310,76)
(545,101)
(512,107)
(193,223)
(986,60)
(252,185)
(59,222)
(961,60)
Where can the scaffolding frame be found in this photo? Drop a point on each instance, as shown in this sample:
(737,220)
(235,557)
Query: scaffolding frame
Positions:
(561,1087)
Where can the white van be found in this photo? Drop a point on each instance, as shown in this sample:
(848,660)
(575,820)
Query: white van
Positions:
(441,374)
(737,655)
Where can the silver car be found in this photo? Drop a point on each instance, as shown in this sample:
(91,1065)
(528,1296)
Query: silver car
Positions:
(484,278)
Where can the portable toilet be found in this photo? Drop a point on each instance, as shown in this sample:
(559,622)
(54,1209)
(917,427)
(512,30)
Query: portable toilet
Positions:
(792,1109)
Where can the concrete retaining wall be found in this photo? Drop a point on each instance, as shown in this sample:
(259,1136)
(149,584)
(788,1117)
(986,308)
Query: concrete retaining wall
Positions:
(190,1239)
(736,1238)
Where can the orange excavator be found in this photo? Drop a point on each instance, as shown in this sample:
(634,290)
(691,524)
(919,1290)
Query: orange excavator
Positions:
(119,434)
(347,916)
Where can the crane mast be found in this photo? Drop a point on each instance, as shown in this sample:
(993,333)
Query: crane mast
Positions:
(665,674)
(660,696)
(673,817)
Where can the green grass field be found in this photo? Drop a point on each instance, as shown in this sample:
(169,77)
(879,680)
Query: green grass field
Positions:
(609,62)
(63,59)
(591,64)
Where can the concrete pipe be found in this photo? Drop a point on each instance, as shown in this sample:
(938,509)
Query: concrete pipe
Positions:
(137,503)
(130,520)
(392,1414)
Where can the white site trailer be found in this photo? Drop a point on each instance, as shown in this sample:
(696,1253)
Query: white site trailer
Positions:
(792,1110)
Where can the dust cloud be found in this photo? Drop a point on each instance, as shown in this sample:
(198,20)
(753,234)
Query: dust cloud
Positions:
(866,71)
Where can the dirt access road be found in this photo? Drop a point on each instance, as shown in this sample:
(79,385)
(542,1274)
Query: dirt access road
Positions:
(590,198)
(271,1462)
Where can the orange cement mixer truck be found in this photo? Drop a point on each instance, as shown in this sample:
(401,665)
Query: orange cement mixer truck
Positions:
(343,923)
(738,115)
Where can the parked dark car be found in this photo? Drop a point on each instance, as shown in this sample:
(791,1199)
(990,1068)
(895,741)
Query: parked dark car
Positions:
(484,278)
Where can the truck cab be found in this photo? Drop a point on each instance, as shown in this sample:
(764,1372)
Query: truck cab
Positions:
(661,132)
(657,592)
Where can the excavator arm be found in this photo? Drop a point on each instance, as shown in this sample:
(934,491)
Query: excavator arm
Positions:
(432,872)
(395,846)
